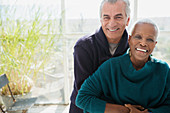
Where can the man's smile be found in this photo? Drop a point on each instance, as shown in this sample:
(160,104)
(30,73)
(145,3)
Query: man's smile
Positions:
(113,29)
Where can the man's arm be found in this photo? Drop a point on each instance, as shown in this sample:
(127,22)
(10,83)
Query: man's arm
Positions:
(82,65)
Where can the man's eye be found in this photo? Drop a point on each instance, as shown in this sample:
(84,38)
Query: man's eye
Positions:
(106,18)
(118,17)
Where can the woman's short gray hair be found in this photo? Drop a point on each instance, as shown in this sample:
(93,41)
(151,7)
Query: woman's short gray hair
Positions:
(147,21)
(114,1)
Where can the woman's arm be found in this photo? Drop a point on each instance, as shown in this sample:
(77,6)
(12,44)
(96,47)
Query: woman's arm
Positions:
(89,95)
(165,106)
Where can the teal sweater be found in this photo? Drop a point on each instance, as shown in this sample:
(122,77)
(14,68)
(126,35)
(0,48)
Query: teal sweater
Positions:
(116,81)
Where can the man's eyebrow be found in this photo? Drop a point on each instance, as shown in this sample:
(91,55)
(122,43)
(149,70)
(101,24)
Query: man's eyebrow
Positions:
(105,15)
(115,15)
(119,14)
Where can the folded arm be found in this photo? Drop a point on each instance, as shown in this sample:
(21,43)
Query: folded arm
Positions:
(89,95)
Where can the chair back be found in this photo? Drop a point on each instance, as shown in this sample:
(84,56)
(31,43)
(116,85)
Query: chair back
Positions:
(3,80)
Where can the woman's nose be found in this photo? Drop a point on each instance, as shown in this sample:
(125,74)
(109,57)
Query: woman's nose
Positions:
(143,43)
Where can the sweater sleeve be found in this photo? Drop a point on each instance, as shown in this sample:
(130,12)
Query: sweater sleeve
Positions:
(165,107)
(88,97)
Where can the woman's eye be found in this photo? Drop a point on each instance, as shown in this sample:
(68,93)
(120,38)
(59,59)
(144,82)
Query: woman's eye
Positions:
(150,40)
(137,37)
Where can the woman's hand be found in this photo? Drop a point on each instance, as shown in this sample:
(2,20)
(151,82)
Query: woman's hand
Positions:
(114,108)
(136,108)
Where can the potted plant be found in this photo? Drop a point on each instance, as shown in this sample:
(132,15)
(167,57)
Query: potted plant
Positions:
(24,51)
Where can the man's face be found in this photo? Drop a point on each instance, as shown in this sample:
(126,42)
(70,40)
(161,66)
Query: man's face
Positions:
(142,42)
(114,20)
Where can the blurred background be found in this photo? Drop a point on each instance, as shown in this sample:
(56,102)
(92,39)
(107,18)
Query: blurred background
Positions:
(63,22)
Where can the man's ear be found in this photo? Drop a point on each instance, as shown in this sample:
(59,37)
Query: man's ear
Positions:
(129,38)
(128,20)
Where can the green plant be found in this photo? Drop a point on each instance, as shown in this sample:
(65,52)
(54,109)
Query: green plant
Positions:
(24,51)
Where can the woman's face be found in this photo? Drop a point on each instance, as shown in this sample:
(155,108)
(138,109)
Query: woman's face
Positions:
(142,42)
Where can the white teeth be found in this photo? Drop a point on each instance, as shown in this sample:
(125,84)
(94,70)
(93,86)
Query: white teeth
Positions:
(141,50)
(113,29)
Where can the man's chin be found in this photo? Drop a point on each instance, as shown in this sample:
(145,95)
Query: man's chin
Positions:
(113,38)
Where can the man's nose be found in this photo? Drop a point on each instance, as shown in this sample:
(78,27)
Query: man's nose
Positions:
(112,23)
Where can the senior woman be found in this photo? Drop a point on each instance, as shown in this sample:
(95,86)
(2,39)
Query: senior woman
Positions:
(132,83)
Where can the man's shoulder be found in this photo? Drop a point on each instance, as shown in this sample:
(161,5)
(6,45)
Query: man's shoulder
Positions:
(87,40)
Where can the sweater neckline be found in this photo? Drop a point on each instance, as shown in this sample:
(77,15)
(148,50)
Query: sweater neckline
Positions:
(131,73)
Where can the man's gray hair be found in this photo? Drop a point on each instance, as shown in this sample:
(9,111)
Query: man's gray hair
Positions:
(127,10)
(147,21)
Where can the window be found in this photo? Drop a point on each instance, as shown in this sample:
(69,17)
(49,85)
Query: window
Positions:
(82,16)
(71,19)
(158,11)
(48,18)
